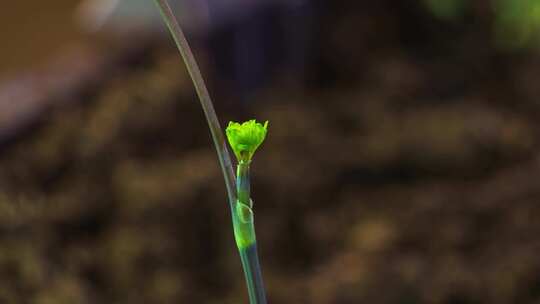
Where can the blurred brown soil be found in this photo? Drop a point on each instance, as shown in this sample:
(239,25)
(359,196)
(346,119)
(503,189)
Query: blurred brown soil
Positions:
(396,178)
(30,31)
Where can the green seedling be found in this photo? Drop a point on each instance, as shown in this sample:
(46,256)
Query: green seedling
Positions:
(244,139)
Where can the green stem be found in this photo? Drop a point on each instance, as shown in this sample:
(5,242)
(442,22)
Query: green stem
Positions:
(242,182)
(252,271)
(242,215)
(244,231)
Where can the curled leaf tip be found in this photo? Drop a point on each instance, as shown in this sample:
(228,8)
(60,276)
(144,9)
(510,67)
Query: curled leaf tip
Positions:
(245,138)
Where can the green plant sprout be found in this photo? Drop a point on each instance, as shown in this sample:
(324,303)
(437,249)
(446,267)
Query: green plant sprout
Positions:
(244,139)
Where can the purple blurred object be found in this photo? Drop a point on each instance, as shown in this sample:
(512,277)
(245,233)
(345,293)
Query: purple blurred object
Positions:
(251,42)
(248,40)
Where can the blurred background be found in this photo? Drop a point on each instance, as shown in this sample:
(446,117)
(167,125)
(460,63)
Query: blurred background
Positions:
(402,163)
